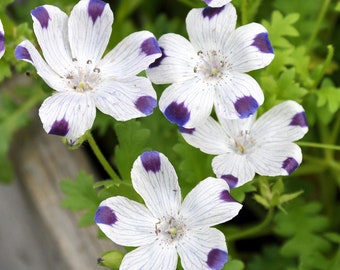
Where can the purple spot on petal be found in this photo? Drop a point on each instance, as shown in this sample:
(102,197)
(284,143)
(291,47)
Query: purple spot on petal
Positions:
(2,41)
(225,196)
(230,179)
(95,9)
(59,127)
(159,60)
(187,130)
(177,113)
(290,165)
(262,42)
(217,258)
(210,12)
(150,46)
(105,215)
(246,106)
(151,161)
(146,104)
(41,14)
(299,119)
(22,53)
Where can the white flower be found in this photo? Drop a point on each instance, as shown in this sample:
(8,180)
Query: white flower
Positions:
(73,47)
(2,40)
(216,3)
(245,146)
(166,226)
(209,70)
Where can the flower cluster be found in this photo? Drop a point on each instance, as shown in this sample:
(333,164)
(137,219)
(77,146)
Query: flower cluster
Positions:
(208,76)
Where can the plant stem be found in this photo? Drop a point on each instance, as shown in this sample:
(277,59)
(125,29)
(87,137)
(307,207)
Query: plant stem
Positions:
(320,145)
(316,28)
(256,230)
(107,167)
(244,7)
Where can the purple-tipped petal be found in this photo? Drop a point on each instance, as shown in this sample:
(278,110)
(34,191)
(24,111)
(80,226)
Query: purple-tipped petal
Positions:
(186,130)
(210,12)
(225,196)
(146,104)
(105,215)
(150,46)
(95,9)
(299,119)
(59,127)
(2,42)
(159,60)
(290,165)
(261,41)
(177,113)
(41,14)
(151,161)
(230,179)
(246,106)
(217,258)
(21,53)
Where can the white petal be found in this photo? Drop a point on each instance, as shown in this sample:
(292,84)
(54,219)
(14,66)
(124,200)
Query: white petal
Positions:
(68,114)
(209,137)
(153,256)
(203,249)
(249,48)
(89,28)
(27,52)
(285,122)
(209,204)
(126,222)
(177,62)
(2,40)
(238,96)
(275,159)
(50,28)
(126,99)
(209,28)
(155,179)
(216,3)
(234,127)
(236,169)
(187,104)
(131,56)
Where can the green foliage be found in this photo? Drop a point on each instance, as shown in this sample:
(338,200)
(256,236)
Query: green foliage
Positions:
(81,196)
(111,259)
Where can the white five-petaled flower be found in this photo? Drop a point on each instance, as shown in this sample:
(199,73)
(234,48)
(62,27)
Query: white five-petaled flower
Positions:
(216,3)
(166,227)
(245,146)
(210,69)
(73,47)
(2,40)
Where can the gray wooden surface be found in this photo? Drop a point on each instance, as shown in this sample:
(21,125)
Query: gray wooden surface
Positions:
(35,232)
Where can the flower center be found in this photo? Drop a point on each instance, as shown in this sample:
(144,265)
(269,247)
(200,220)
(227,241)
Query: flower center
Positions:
(211,65)
(170,229)
(83,78)
(244,143)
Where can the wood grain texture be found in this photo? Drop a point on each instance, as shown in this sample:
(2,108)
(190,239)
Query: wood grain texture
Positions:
(40,162)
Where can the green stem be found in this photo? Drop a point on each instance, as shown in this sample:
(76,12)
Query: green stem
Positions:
(256,230)
(317,26)
(320,145)
(107,167)
(244,8)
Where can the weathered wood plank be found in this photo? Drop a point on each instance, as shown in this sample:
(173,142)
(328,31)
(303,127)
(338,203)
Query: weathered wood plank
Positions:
(40,162)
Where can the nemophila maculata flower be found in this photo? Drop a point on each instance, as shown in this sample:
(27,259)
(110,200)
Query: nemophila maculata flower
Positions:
(72,48)
(2,40)
(209,70)
(216,3)
(164,227)
(244,147)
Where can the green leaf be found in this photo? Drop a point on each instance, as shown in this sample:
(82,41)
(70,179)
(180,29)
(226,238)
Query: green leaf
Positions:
(329,96)
(234,264)
(132,139)
(80,195)
(111,259)
(239,193)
